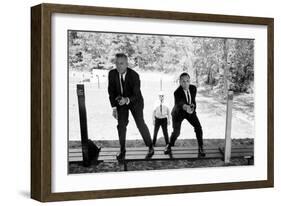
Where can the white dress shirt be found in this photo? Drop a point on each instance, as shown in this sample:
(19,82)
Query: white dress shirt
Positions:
(161,111)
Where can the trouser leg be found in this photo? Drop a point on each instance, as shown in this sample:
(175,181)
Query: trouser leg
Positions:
(142,127)
(194,121)
(176,130)
(123,115)
(156,128)
(164,126)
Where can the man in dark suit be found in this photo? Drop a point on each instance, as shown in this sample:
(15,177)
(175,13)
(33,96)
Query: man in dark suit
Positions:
(185,108)
(124,95)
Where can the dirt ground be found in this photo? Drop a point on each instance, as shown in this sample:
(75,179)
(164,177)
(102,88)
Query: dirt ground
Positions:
(76,168)
(211,111)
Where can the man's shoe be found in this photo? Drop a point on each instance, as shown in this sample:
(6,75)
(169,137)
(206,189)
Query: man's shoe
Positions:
(121,155)
(201,152)
(168,150)
(150,153)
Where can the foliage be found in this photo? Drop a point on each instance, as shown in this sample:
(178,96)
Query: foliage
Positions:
(218,62)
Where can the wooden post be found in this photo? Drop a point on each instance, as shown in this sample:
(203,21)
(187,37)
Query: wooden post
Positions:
(98,81)
(89,149)
(227,146)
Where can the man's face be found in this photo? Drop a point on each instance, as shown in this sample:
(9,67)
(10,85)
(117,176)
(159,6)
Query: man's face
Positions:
(121,64)
(184,82)
(161,98)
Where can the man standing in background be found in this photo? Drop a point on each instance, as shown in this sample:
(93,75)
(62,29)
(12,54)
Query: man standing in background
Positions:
(161,117)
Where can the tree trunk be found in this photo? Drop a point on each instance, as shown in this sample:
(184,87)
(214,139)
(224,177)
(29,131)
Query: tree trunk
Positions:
(196,75)
(210,76)
(225,68)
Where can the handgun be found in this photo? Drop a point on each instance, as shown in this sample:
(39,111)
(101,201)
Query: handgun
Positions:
(118,98)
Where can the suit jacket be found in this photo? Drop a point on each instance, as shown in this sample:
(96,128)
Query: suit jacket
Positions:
(131,88)
(180,100)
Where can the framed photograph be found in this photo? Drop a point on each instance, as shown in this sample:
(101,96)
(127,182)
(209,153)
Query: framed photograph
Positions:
(104,81)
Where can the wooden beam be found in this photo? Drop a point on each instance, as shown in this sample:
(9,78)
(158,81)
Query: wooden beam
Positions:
(83,123)
(227,152)
(90,151)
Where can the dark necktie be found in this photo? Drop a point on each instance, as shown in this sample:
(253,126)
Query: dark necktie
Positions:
(123,83)
(188,99)
(161,108)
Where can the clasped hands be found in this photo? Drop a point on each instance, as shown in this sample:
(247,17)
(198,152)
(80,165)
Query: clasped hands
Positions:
(188,108)
(122,100)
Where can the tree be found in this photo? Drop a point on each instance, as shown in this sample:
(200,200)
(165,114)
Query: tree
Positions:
(212,61)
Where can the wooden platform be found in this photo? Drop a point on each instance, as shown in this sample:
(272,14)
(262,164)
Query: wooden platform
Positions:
(246,152)
(139,153)
(178,153)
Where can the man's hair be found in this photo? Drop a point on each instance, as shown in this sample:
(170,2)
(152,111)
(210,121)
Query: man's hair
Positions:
(184,74)
(121,55)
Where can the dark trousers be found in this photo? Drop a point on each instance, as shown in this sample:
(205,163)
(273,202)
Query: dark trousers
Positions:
(123,120)
(163,123)
(193,120)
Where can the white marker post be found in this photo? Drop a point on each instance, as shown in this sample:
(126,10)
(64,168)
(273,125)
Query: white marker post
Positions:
(227,146)
(98,81)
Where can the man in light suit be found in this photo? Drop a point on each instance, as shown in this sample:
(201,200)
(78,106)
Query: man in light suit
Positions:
(185,108)
(124,95)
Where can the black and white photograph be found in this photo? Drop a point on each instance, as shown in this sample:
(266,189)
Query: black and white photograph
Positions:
(152,101)
(134,102)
